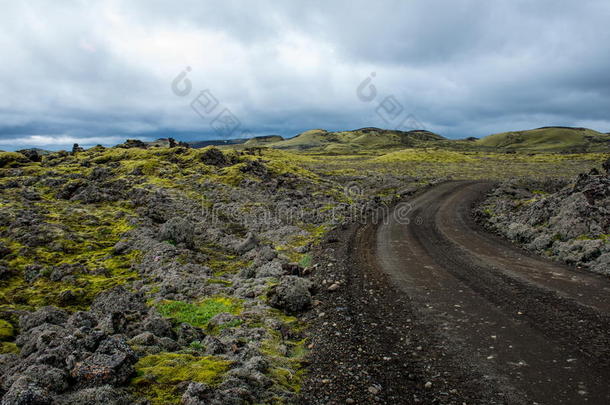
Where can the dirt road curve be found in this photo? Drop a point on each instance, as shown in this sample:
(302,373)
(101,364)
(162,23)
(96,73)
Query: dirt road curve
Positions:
(494,324)
(541,326)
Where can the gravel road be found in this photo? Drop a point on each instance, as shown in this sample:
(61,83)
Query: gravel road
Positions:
(432,309)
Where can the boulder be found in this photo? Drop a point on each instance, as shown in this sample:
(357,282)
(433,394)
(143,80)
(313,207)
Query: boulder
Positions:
(105,394)
(43,315)
(118,300)
(177,230)
(291,294)
(214,157)
(247,244)
(602,264)
(195,394)
(26,392)
(112,363)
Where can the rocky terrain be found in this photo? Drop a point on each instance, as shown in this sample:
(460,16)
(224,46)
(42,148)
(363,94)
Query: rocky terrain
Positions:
(568,221)
(140,274)
(153,273)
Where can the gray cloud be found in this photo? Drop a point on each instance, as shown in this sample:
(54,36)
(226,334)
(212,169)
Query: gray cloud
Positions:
(97,72)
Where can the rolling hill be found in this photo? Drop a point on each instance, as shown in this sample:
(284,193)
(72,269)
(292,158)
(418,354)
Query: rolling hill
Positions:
(548,139)
(362,139)
(377,140)
(263,140)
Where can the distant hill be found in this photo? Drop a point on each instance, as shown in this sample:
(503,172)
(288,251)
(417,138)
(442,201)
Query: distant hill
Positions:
(361,139)
(217,142)
(548,139)
(263,140)
(370,139)
(250,142)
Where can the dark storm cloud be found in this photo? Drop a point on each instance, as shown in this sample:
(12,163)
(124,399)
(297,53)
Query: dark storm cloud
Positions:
(101,72)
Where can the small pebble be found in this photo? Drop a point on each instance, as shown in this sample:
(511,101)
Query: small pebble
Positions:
(333,287)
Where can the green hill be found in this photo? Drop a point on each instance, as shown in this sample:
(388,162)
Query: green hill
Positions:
(548,139)
(363,139)
(380,141)
(263,140)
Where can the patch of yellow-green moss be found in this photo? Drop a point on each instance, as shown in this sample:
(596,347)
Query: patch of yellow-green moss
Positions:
(281,163)
(220,281)
(433,163)
(222,262)
(424,155)
(73,295)
(602,237)
(159,375)
(313,236)
(84,236)
(8,348)
(232,175)
(12,159)
(6,330)
(286,356)
(306,260)
(199,314)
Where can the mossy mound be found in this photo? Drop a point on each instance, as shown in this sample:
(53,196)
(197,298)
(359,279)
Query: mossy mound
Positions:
(159,375)
(12,159)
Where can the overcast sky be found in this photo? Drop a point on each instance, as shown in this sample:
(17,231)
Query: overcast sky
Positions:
(100,72)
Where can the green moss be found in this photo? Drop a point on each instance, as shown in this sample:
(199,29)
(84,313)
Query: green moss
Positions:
(16,293)
(83,237)
(232,175)
(288,379)
(222,262)
(314,234)
(306,260)
(8,347)
(443,161)
(425,155)
(286,370)
(196,345)
(159,374)
(12,159)
(286,356)
(220,281)
(283,162)
(199,314)
(528,201)
(488,211)
(6,330)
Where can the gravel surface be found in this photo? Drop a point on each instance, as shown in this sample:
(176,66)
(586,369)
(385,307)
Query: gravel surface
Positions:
(439,311)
